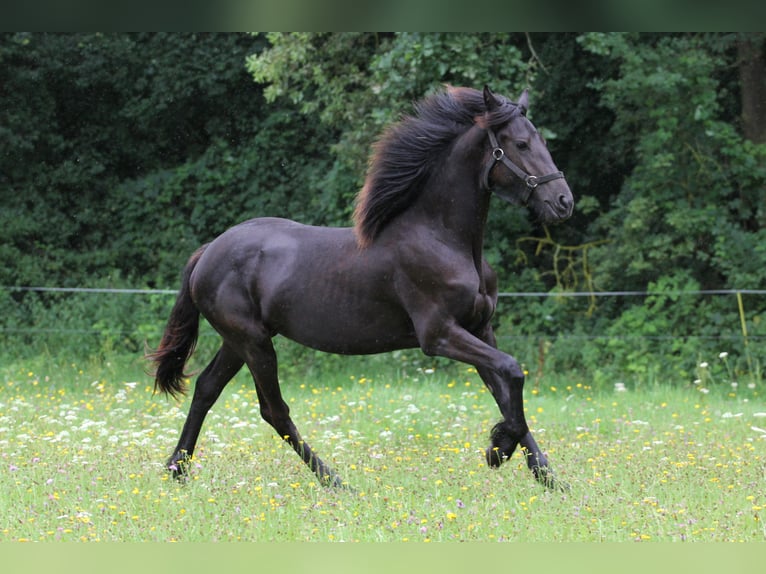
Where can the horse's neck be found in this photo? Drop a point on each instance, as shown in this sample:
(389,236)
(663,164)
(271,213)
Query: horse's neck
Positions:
(477,239)
(456,207)
(477,245)
(460,199)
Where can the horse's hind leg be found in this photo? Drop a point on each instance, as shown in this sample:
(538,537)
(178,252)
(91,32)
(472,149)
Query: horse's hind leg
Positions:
(207,389)
(262,361)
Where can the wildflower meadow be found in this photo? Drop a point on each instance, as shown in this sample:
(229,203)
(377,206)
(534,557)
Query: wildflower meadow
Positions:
(83,448)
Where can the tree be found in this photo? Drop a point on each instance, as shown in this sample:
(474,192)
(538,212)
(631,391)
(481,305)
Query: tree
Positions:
(121,153)
(751,53)
(690,214)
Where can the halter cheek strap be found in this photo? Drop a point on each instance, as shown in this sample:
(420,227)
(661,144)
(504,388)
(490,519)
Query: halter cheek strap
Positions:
(531,181)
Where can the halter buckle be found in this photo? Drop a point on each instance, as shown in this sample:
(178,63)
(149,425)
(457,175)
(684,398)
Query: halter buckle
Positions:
(531,181)
(498,153)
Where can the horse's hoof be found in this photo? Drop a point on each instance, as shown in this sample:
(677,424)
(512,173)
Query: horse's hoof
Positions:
(335,482)
(177,473)
(544,475)
(179,467)
(494,457)
(563,486)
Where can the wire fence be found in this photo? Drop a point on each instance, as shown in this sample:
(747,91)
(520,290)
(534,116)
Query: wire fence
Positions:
(93,290)
(738,293)
(501,294)
(634,293)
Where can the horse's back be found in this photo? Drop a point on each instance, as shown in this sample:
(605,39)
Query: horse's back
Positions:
(311,284)
(259,240)
(262,255)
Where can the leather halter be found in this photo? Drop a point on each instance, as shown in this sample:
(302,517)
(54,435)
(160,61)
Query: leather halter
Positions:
(531,181)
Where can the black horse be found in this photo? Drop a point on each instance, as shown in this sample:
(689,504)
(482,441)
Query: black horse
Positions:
(410,273)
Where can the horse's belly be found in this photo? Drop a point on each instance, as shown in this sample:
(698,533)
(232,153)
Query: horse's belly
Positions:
(356,345)
(346,326)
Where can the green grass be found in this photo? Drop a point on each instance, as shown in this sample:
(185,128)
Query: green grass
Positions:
(82,450)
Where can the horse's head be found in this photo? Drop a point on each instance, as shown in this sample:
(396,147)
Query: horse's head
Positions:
(519,167)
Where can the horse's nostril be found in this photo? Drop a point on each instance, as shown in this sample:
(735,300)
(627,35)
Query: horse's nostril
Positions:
(565,201)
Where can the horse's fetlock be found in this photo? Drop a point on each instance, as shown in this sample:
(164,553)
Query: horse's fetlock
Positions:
(503,441)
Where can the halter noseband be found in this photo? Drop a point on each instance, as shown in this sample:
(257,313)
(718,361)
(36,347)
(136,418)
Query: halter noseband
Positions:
(532,181)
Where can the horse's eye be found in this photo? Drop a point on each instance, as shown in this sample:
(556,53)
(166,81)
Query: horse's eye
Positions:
(522,146)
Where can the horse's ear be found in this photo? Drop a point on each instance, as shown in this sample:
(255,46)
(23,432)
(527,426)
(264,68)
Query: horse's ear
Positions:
(490,101)
(524,102)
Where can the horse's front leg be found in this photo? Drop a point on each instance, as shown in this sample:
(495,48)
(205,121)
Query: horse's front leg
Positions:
(513,429)
(505,379)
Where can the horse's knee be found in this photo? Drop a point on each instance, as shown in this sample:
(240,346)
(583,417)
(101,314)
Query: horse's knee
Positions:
(510,371)
(432,346)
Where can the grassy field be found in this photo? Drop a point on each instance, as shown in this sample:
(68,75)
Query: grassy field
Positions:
(82,448)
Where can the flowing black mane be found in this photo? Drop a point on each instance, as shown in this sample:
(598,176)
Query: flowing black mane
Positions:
(408,150)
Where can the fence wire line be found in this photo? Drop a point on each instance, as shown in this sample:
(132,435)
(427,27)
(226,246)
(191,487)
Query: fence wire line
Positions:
(541,294)
(632,293)
(721,337)
(94,290)
(502,294)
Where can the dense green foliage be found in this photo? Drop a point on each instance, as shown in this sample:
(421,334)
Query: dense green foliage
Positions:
(119,154)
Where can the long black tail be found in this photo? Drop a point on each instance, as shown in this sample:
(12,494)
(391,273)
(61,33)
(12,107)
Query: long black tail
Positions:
(180,338)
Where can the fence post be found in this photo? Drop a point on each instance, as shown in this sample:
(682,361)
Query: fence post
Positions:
(743,324)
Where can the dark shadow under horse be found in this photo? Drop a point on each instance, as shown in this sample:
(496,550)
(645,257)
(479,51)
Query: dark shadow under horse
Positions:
(410,273)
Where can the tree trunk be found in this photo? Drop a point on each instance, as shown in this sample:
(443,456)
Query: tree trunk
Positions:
(752,78)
